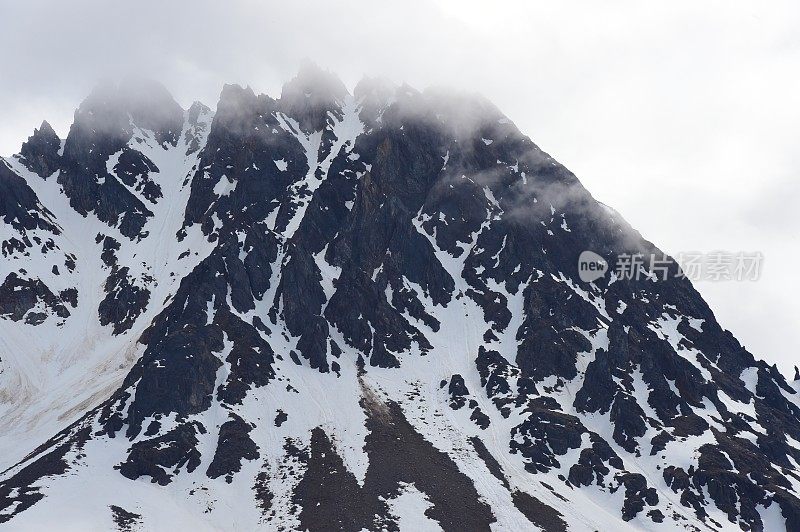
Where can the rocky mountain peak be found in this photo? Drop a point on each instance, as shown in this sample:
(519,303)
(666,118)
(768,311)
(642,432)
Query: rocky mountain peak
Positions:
(327,310)
(311,95)
(375,95)
(41,151)
(103,169)
(109,115)
(196,110)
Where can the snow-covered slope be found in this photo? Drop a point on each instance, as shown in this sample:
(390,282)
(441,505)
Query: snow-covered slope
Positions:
(106,288)
(355,311)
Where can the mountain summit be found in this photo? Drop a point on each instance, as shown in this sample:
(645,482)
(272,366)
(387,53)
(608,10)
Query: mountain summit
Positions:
(335,311)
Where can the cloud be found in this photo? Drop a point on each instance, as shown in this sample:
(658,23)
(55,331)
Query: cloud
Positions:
(681,115)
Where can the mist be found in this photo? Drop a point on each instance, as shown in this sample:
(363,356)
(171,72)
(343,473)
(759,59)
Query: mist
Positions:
(682,116)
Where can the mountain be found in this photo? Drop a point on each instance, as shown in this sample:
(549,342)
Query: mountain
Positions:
(336,311)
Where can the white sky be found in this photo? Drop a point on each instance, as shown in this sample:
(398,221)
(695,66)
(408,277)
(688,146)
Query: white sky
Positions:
(682,115)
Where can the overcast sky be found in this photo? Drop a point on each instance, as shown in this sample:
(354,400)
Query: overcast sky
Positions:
(683,116)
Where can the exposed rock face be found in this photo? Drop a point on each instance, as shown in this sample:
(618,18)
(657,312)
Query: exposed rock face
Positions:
(40,153)
(105,123)
(364,311)
(20,208)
